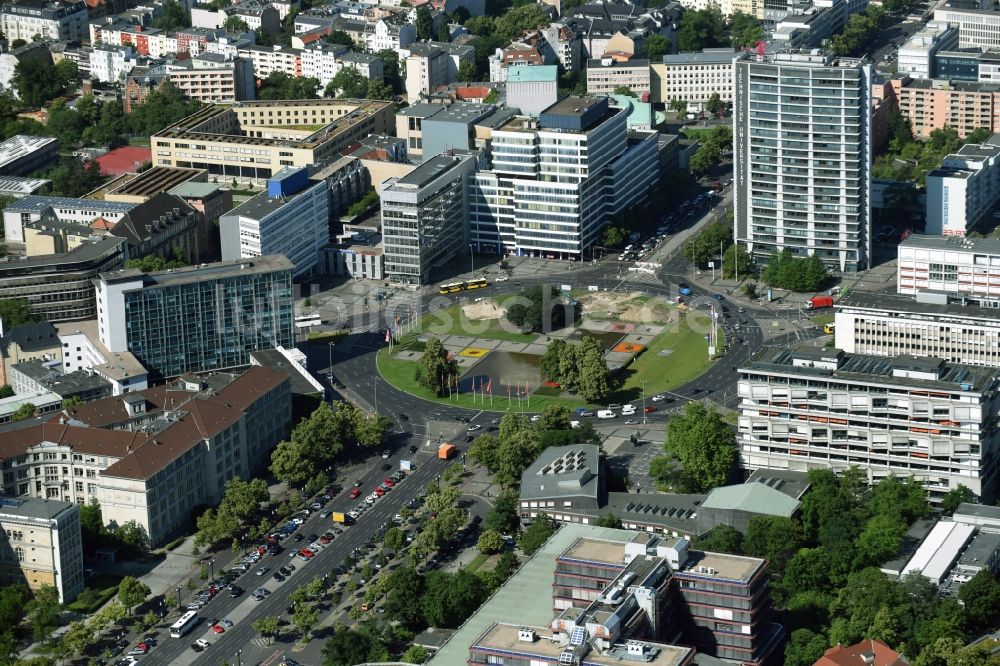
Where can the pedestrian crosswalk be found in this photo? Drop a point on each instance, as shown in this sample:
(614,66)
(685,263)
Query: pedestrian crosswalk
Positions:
(260,642)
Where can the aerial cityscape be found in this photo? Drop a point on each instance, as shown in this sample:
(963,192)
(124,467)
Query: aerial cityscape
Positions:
(516,332)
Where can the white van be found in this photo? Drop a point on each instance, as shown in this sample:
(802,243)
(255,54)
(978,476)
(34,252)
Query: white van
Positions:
(605,414)
(628,410)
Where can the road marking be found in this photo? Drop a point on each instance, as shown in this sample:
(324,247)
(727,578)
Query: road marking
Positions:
(269,660)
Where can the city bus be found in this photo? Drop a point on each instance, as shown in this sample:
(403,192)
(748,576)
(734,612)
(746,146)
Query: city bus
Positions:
(451,288)
(476,284)
(187,622)
(307,321)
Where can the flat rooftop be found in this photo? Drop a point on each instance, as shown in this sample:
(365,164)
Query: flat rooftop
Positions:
(901,304)
(32,508)
(731,567)
(120,365)
(20,145)
(39,204)
(504,638)
(428,171)
(156,180)
(261,205)
(707,57)
(952,243)
(574,105)
(220,269)
(17,186)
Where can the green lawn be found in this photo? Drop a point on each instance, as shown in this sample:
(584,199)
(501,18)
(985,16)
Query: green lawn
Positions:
(688,360)
(821,320)
(326,336)
(452,321)
(97,591)
(478,561)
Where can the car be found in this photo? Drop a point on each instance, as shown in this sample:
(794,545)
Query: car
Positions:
(308,554)
(197,647)
(315,506)
(535,417)
(385,453)
(357,483)
(202,642)
(631,421)
(585,413)
(235,591)
(386,467)
(278,577)
(287,569)
(389,482)
(649,410)
(324,539)
(226,622)
(474,427)
(379,492)
(138,650)
(355,493)
(404,417)
(312,537)
(263,570)
(149,640)
(218,628)
(324,514)
(696,391)
(414,449)
(518,283)
(614,405)
(502,278)
(658,397)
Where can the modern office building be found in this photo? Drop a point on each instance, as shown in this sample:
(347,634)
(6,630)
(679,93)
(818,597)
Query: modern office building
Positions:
(425,218)
(292,218)
(693,77)
(23,153)
(962,266)
(152,456)
(32,20)
(918,54)
(802,152)
(199,318)
(958,65)
(977,28)
(925,417)
(554,182)
(930,324)
(964,189)
(43,545)
(255,140)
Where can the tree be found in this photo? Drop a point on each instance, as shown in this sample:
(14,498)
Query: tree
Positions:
(614,236)
(729,260)
(343,39)
(775,538)
(268,627)
(380,90)
(16,312)
(78,637)
(490,542)
(707,157)
(956,496)
(467,71)
(390,68)
(703,247)
(715,105)
(346,647)
(42,612)
(163,106)
(542,311)
(723,539)
(537,534)
(504,514)
(451,598)
(349,83)
(808,569)
(404,588)
(444,34)
(415,654)
(436,368)
(289,464)
(39,81)
(804,648)
(623,90)
(132,592)
(73,178)
(279,85)
(656,46)
(554,417)
(65,124)
(174,18)
(981,597)
(394,539)
(25,411)
(679,107)
(594,385)
(787,271)
(903,498)
(745,30)
(305,618)
(704,444)
(424,23)
(609,520)
(236,24)
(700,30)
(860,31)
(549,364)
(152,263)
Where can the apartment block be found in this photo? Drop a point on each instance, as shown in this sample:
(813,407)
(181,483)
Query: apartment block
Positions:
(964,189)
(606,74)
(960,266)
(693,77)
(802,152)
(956,329)
(324,61)
(425,218)
(235,306)
(554,182)
(433,64)
(23,153)
(977,28)
(111,64)
(925,417)
(251,141)
(43,545)
(961,105)
(152,456)
(32,20)
(917,55)
(291,218)
(214,78)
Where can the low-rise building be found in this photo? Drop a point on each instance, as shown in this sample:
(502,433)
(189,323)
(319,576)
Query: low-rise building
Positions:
(964,189)
(693,77)
(807,408)
(869,651)
(291,218)
(236,306)
(82,350)
(79,211)
(21,154)
(606,75)
(934,104)
(42,402)
(918,54)
(43,545)
(532,88)
(153,456)
(28,342)
(30,377)
(360,257)
(18,188)
(933,324)
(961,266)
(111,64)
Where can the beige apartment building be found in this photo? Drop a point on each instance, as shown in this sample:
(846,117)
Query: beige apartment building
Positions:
(932,104)
(607,74)
(43,545)
(693,77)
(251,141)
(152,456)
(212,78)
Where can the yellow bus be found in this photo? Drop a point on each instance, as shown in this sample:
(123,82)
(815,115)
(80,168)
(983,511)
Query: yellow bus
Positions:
(476,284)
(451,288)
(828,328)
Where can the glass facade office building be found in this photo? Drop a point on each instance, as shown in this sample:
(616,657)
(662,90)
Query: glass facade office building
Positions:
(199,319)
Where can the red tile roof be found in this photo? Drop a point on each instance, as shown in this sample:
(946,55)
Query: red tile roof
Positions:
(123,160)
(868,652)
(472,92)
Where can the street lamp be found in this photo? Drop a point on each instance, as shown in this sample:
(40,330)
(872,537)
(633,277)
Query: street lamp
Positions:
(211,569)
(239,661)
(472,261)
(179,597)
(643,382)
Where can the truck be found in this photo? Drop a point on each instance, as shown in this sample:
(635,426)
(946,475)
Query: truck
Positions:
(817,302)
(341,518)
(446,451)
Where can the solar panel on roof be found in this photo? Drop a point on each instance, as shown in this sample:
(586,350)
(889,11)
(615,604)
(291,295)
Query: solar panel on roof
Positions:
(578,636)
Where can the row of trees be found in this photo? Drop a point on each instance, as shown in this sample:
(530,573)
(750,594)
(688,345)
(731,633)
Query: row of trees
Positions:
(707,244)
(859,33)
(349,83)
(714,146)
(578,368)
(802,274)
(701,451)
(306,459)
(240,502)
